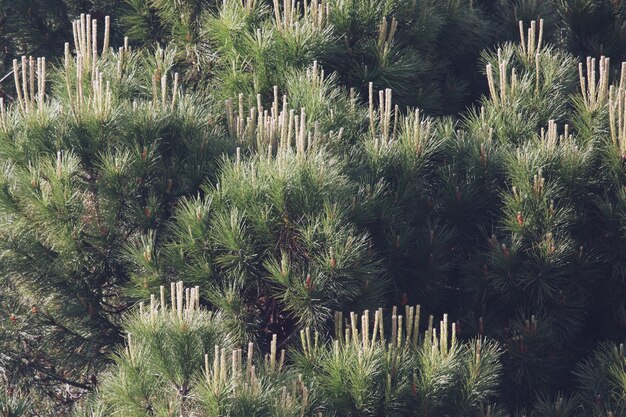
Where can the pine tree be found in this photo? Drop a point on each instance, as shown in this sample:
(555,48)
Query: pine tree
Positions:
(273,244)
(284,179)
(541,261)
(85,170)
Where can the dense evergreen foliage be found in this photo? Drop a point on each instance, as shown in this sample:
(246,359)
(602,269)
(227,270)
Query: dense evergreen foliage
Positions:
(271,155)
(358,372)
(427,51)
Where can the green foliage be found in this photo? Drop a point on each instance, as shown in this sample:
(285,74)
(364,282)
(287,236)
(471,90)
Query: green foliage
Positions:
(594,28)
(12,405)
(259,154)
(273,240)
(529,85)
(602,380)
(40,28)
(83,172)
(240,46)
(163,356)
(178,360)
(170,366)
(400,155)
(364,374)
(419,49)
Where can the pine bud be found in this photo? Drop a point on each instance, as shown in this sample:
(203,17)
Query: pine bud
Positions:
(520,219)
(147,213)
(59,164)
(34,309)
(551,246)
(333,263)
(522,345)
(483,156)
(505,251)
(12,318)
(170,186)
(144,153)
(308,283)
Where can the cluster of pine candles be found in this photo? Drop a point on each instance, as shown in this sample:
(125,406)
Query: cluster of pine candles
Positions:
(228,377)
(387,240)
